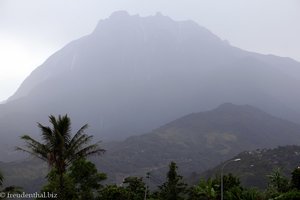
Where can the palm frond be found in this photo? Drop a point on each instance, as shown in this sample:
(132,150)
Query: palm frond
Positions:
(85,152)
(34,145)
(83,139)
(33,153)
(78,134)
(59,148)
(34,148)
(89,150)
(47,133)
(62,125)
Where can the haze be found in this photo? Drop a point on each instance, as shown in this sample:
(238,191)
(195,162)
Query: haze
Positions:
(32,30)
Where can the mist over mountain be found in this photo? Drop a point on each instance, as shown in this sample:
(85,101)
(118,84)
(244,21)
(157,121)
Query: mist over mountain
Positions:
(196,142)
(199,141)
(133,74)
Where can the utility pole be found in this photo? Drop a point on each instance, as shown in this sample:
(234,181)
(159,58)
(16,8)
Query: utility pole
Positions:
(222,169)
(146,187)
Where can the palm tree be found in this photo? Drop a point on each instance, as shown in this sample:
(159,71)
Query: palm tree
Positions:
(58,148)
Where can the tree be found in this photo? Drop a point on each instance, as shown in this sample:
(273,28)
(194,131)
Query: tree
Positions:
(291,195)
(53,186)
(136,187)
(204,190)
(174,188)
(58,148)
(234,193)
(278,181)
(86,179)
(296,178)
(230,181)
(81,181)
(113,192)
(252,194)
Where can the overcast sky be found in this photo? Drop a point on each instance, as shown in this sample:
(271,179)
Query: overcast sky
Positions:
(32,30)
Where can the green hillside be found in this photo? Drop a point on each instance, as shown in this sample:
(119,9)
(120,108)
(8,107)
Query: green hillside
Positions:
(255,166)
(198,141)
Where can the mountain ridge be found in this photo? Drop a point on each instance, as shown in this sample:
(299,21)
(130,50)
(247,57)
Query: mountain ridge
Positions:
(200,140)
(130,77)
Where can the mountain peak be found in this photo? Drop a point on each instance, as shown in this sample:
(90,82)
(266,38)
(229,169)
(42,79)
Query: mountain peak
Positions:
(225,107)
(137,73)
(157,26)
(159,14)
(119,14)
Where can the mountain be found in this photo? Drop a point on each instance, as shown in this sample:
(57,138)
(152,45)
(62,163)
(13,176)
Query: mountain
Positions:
(133,74)
(30,174)
(196,142)
(255,166)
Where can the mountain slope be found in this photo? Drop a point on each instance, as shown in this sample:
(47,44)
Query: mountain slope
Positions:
(196,142)
(256,165)
(199,141)
(133,74)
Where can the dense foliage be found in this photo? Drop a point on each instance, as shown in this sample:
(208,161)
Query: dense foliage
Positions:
(134,188)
